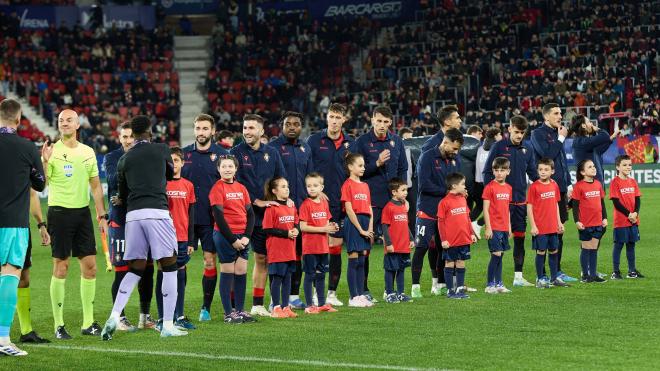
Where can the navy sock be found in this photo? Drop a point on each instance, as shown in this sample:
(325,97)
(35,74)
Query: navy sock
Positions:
(616,256)
(492,266)
(359,276)
(275,289)
(593,259)
(540,263)
(630,255)
(498,269)
(350,276)
(226,281)
(308,283)
(240,281)
(366,273)
(286,289)
(553,260)
(159,293)
(181,280)
(389,282)
(400,281)
(319,283)
(584,261)
(460,277)
(449,279)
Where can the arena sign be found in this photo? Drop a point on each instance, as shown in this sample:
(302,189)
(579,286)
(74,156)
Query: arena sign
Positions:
(390,9)
(646,175)
(32,17)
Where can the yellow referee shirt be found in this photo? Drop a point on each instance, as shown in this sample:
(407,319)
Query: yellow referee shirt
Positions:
(69,172)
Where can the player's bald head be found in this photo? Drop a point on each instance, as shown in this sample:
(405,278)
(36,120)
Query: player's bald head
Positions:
(67,122)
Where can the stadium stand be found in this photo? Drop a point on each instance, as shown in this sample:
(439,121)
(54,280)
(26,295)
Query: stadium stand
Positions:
(492,61)
(105,75)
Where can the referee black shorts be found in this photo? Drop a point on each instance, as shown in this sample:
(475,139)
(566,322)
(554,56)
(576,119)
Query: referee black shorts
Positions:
(71,232)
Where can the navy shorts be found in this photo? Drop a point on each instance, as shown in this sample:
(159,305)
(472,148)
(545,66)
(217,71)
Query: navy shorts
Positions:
(499,242)
(396,261)
(354,241)
(117,246)
(591,232)
(258,241)
(626,234)
(518,215)
(204,234)
(545,242)
(182,257)
(315,263)
(456,253)
(337,217)
(282,268)
(226,252)
(425,232)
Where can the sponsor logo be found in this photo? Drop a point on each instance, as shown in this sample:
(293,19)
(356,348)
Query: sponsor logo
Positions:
(360,197)
(384,9)
(319,215)
(502,196)
(68,171)
(592,194)
(177,194)
(546,195)
(627,190)
(33,22)
(286,219)
(459,210)
(401,218)
(234,195)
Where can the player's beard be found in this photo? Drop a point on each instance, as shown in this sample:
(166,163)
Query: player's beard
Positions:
(203,142)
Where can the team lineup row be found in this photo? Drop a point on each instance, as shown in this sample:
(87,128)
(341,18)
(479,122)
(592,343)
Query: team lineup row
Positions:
(296,203)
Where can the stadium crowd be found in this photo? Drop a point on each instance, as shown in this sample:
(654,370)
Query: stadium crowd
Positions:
(106,75)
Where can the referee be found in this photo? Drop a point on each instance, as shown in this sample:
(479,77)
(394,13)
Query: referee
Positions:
(22,171)
(71,169)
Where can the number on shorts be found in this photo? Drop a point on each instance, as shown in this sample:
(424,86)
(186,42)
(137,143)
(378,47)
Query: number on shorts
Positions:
(121,245)
(421,230)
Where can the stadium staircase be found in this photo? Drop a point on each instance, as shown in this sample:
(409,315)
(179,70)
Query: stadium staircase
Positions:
(35,118)
(192,59)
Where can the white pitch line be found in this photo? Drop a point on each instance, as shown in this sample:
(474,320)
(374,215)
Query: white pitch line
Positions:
(301,362)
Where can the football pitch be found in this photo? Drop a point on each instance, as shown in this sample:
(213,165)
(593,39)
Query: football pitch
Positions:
(613,325)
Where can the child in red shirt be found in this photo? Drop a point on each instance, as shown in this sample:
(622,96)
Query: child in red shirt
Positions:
(588,202)
(281,227)
(625,194)
(398,241)
(315,225)
(456,234)
(181,200)
(543,213)
(233,224)
(358,228)
(497,196)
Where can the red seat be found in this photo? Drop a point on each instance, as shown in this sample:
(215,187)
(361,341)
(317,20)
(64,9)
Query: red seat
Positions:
(107,78)
(123,112)
(96,77)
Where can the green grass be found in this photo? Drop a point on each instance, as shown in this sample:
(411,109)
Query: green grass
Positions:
(607,326)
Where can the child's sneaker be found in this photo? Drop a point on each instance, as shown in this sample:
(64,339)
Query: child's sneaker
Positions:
(634,274)
(259,310)
(558,282)
(233,318)
(367,295)
(327,308)
(172,331)
(521,282)
(616,275)
(366,301)
(416,291)
(356,302)
(332,299)
(289,313)
(297,304)
(246,317)
(598,279)
(404,298)
(565,277)
(490,289)
(501,289)
(204,315)
(278,312)
(542,283)
(312,310)
(125,325)
(586,279)
(391,298)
